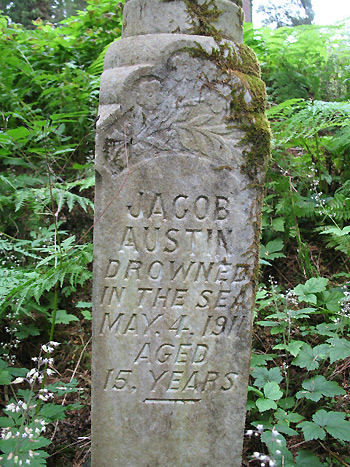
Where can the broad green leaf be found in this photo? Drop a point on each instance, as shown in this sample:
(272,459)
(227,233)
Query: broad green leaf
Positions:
(307,358)
(307,459)
(262,376)
(52,412)
(294,417)
(272,250)
(332,299)
(317,387)
(26,331)
(86,314)
(287,403)
(6,422)
(312,431)
(334,423)
(286,429)
(5,377)
(306,292)
(339,429)
(327,329)
(323,418)
(18,133)
(265,404)
(261,359)
(272,391)
(339,349)
(62,317)
(267,323)
(303,313)
(84,305)
(278,224)
(293,347)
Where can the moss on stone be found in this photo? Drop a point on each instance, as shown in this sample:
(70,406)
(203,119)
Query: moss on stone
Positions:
(239,69)
(202,16)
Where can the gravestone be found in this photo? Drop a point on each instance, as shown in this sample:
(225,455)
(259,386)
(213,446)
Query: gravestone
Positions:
(181,149)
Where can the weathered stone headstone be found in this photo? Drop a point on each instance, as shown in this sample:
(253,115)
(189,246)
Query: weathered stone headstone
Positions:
(182,144)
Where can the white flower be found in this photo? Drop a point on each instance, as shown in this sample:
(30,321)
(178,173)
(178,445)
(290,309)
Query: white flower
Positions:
(54,344)
(11,407)
(260,428)
(18,380)
(8,435)
(278,452)
(275,432)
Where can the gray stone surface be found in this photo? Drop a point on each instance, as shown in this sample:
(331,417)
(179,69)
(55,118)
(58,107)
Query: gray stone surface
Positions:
(174,258)
(170,16)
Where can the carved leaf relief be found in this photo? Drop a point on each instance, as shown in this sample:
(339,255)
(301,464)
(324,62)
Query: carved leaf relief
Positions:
(198,135)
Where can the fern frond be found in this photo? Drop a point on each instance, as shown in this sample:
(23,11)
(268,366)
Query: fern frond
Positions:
(339,238)
(304,119)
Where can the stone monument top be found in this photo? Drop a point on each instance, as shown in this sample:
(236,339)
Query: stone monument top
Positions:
(181,17)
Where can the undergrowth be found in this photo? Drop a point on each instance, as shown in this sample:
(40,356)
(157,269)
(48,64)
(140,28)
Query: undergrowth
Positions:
(299,388)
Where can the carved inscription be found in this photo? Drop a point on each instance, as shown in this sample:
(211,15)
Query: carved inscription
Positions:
(171,295)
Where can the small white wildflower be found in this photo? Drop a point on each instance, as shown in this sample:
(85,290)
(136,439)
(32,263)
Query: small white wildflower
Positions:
(256,455)
(11,407)
(249,432)
(278,441)
(278,452)
(54,344)
(18,380)
(275,432)
(260,428)
(27,461)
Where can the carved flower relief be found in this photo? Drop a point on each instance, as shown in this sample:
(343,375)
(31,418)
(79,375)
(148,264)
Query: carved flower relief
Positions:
(183,66)
(185,115)
(149,93)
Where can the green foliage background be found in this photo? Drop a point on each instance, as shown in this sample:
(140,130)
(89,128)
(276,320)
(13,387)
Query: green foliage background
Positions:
(49,85)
